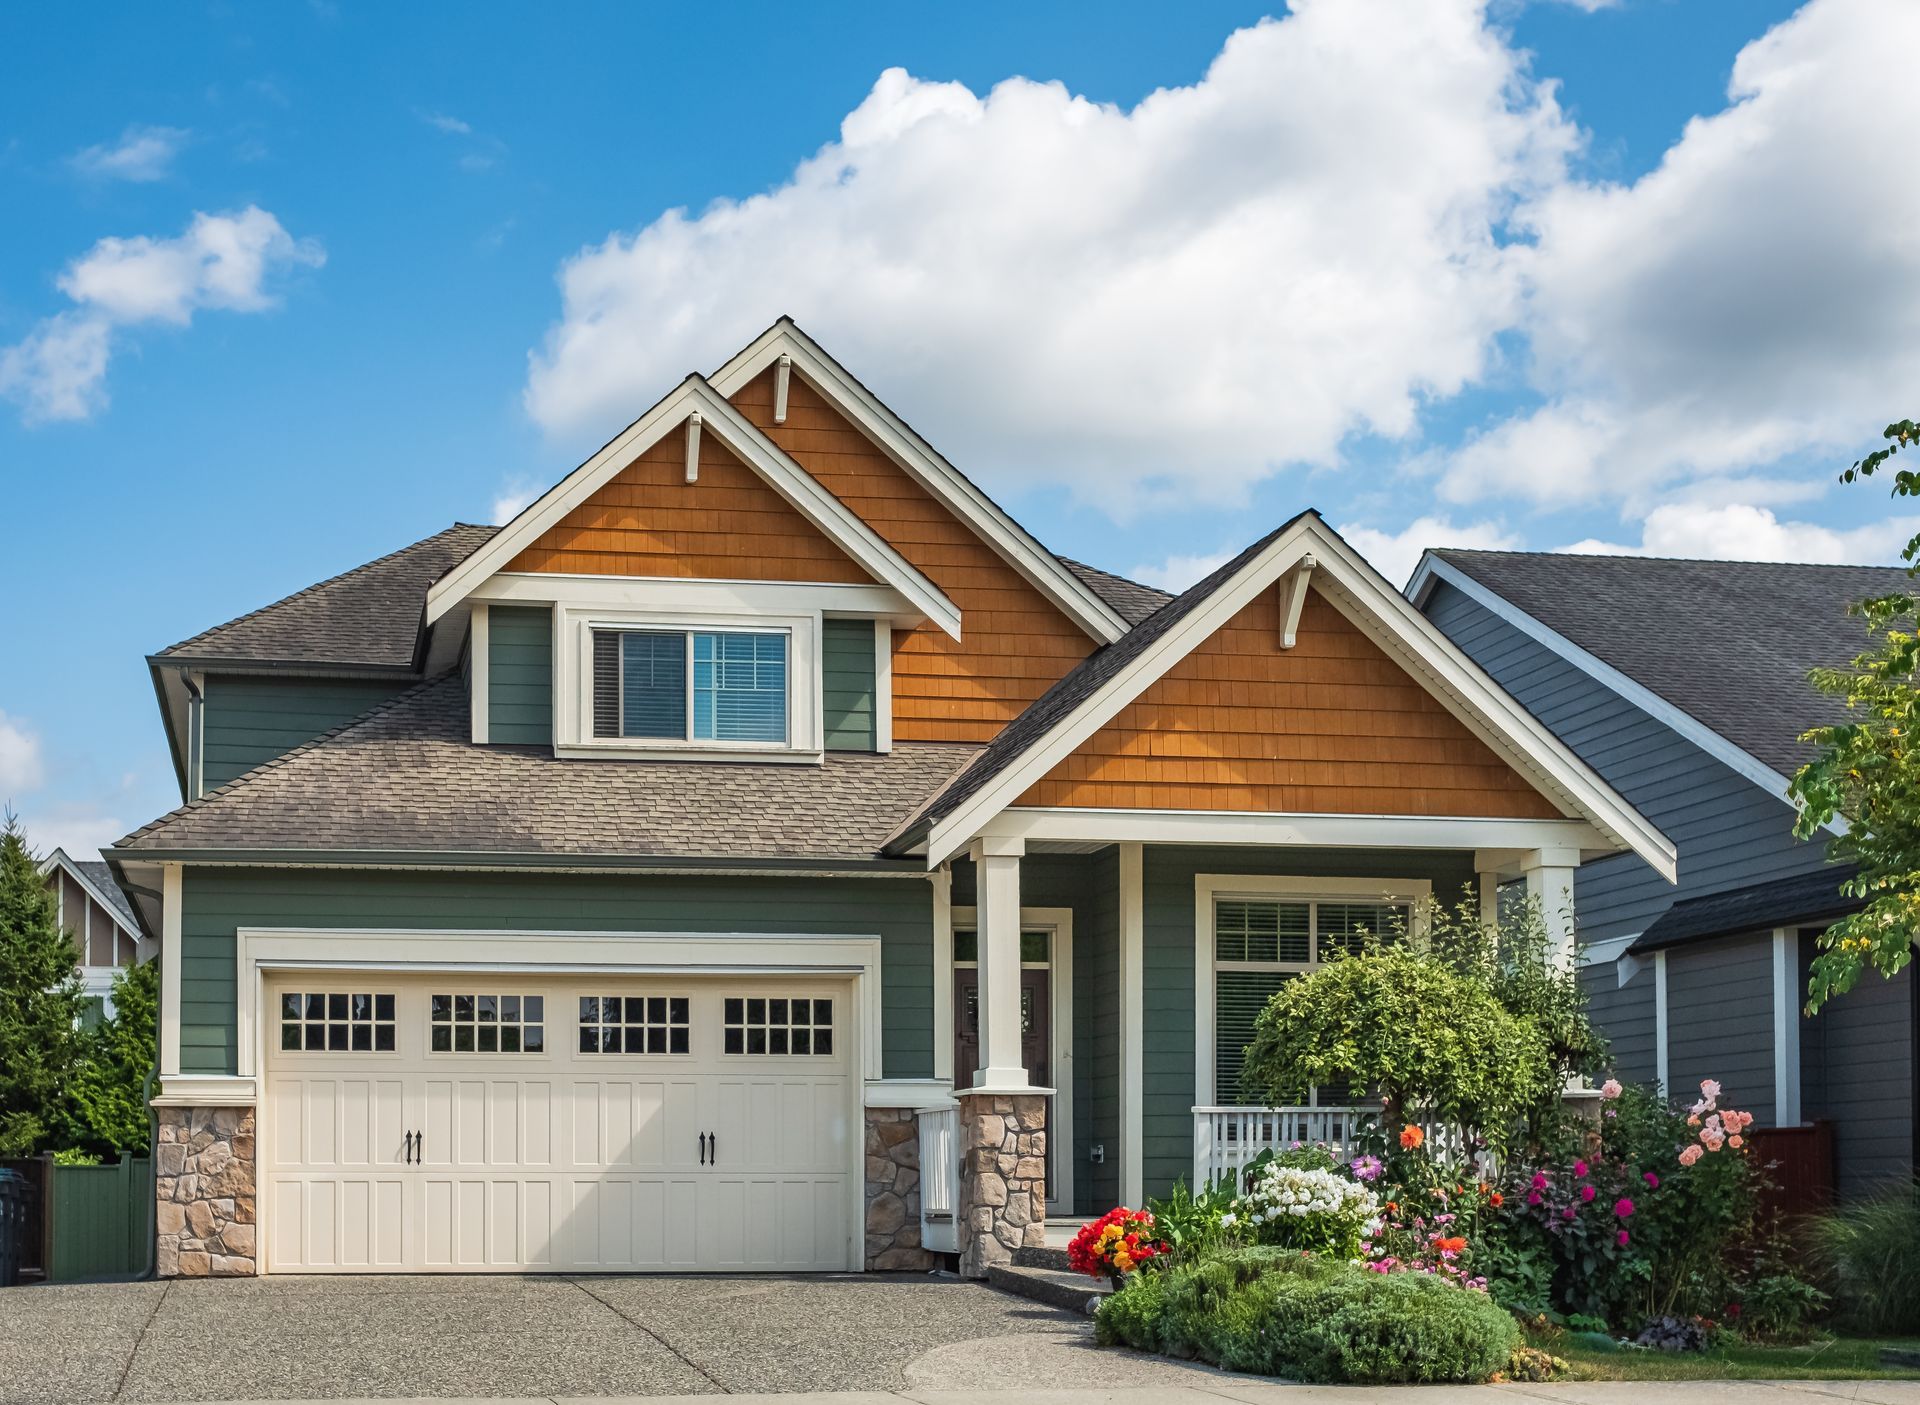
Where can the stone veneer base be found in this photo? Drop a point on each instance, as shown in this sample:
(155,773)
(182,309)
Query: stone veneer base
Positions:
(205,1188)
(893,1191)
(1003,1178)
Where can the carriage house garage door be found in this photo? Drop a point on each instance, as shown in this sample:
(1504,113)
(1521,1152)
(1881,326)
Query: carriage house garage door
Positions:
(491,1123)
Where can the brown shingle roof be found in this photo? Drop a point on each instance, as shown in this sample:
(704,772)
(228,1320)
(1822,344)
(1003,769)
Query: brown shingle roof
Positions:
(369,617)
(1130,600)
(405,777)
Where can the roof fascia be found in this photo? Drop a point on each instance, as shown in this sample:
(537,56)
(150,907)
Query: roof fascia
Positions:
(799,488)
(516,862)
(1391,622)
(1433,571)
(59,859)
(926,466)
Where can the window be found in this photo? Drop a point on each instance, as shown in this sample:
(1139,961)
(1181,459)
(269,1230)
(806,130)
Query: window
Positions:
(336,1022)
(1259,944)
(690,685)
(634,1024)
(794,1024)
(489,1023)
(1035,948)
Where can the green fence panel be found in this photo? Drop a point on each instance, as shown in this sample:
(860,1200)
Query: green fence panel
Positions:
(100,1219)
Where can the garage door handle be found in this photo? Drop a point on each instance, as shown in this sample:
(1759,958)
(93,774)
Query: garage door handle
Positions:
(703,1148)
(713,1147)
(409,1148)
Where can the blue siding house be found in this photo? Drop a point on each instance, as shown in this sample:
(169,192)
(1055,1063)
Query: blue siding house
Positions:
(1683,684)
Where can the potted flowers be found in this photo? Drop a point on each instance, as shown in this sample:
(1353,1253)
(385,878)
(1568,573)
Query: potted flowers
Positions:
(1114,1245)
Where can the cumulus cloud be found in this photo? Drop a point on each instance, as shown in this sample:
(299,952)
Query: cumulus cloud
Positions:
(1395,554)
(1176,573)
(221,262)
(21,766)
(1177,297)
(1743,532)
(141,154)
(442,122)
(513,500)
(1755,296)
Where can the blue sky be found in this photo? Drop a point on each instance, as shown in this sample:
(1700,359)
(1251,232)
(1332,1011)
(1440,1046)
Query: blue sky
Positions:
(288,286)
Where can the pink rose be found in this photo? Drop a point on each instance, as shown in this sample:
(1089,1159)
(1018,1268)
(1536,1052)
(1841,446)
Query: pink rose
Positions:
(1539,1180)
(1709,1089)
(1567,1213)
(1623,1207)
(1622,1238)
(1611,1089)
(1653,1181)
(1690,1154)
(1736,1141)
(1586,1193)
(1533,1197)
(1579,1168)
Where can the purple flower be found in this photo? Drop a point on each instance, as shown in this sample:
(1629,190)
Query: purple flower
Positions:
(1539,1180)
(1653,1181)
(1567,1213)
(1366,1168)
(1533,1197)
(1622,1238)
(1579,1169)
(1623,1207)
(1586,1193)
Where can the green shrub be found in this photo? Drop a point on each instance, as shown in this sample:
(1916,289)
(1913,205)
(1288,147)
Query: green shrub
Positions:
(1279,1314)
(1780,1307)
(1191,1225)
(1870,1253)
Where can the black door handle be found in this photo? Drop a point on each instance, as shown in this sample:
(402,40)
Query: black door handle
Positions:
(420,1148)
(703,1148)
(713,1146)
(409,1148)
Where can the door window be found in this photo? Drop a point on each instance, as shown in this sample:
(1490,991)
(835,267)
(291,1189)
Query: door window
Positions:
(490,1022)
(635,1024)
(336,1022)
(778,1024)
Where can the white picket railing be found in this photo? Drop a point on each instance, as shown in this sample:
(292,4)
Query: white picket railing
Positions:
(940,1179)
(1227,1138)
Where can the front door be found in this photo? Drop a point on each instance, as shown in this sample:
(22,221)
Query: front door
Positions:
(1036,1032)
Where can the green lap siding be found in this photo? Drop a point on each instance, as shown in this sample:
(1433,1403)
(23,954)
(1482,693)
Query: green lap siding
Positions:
(520,675)
(848,684)
(247,721)
(218,901)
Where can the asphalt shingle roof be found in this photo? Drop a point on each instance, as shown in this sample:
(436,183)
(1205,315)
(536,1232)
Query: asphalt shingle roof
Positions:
(1805,897)
(370,616)
(102,878)
(1727,642)
(406,777)
(1130,600)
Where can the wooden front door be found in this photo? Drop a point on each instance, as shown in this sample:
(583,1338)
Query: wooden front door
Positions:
(1036,1031)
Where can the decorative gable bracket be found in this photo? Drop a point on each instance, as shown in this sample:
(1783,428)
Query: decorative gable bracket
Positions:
(1293,598)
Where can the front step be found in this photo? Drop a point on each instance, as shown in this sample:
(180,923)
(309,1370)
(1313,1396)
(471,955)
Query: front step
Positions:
(1044,1256)
(1074,1292)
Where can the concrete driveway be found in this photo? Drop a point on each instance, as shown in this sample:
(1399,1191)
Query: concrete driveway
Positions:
(333,1338)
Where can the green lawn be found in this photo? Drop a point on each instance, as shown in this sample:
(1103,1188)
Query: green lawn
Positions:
(1831,1358)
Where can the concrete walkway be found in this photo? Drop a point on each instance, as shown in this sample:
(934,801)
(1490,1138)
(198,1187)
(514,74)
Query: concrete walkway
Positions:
(872,1337)
(1234,1389)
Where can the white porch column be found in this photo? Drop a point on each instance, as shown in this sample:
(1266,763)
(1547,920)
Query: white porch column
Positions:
(1786,1027)
(943,1068)
(172,886)
(996,864)
(1133,985)
(1549,875)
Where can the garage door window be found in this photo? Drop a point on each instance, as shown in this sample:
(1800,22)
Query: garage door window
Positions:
(336,1022)
(773,1024)
(634,1024)
(488,1023)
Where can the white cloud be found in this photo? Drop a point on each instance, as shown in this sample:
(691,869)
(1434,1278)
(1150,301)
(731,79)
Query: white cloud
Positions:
(1175,298)
(1176,573)
(141,154)
(1754,296)
(221,262)
(1395,554)
(441,122)
(21,766)
(1743,532)
(513,500)
(80,831)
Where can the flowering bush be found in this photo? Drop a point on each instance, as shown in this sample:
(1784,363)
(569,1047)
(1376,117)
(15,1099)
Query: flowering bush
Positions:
(1315,1210)
(1118,1242)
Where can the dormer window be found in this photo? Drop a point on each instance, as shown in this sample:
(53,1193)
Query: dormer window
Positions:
(725,686)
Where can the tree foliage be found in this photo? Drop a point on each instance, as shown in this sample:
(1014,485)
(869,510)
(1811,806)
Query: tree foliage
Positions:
(105,1109)
(1867,772)
(40,1001)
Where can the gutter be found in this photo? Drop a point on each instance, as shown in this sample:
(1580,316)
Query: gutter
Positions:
(798,865)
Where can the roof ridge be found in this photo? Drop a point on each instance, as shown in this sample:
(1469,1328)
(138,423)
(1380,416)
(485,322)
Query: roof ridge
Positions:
(1445,552)
(276,762)
(315,588)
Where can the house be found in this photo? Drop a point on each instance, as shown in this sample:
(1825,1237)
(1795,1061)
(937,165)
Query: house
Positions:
(94,912)
(1684,685)
(762,853)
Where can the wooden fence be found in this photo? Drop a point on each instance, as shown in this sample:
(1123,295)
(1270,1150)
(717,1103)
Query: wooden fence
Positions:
(86,1221)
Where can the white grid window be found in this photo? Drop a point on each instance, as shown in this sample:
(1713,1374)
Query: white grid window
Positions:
(635,1024)
(336,1022)
(488,1023)
(776,1024)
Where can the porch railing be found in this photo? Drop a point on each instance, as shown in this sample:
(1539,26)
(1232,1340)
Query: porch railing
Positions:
(940,1179)
(1227,1138)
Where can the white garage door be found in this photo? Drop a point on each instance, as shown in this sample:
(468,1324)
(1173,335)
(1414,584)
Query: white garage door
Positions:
(478,1123)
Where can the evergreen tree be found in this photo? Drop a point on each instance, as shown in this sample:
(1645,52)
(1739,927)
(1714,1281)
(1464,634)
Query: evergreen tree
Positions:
(40,1001)
(104,1111)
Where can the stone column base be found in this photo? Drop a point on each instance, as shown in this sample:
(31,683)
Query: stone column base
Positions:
(205,1186)
(893,1191)
(1003,1177)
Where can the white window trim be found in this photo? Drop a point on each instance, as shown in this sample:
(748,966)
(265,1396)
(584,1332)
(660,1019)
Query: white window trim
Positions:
(573,666)
(1057,923)
(1209,888)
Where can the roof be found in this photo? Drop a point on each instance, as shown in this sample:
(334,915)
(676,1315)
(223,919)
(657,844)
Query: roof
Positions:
(406,778)
(1130,600)
(99,880)
(1783,902)
(370,617)
(1727,642)
(1081,683)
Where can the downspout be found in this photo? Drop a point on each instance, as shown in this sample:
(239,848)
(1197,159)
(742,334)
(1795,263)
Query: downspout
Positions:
(196,704)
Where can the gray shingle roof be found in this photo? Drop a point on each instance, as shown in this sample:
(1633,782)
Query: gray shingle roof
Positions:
(102,878)
(1130,600)
(405,777)
(1727,642)
(1782,902)
(369,617)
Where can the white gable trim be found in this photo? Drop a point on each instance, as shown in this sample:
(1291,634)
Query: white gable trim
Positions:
(800,489)
(924,464)
(59,859)
(1402,632)
(1741,762)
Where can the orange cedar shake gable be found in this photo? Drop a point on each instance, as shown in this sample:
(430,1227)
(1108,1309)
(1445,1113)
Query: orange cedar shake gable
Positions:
(1015,643)
(1331,726)
(649,521)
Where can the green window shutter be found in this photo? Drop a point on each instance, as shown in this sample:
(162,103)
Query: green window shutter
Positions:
(848,684)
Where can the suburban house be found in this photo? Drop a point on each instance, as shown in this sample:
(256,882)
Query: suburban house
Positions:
(1684,685)
(762,853)
(94,913)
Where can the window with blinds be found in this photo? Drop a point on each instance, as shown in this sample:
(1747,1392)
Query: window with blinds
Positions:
(690,685)
(1259,944)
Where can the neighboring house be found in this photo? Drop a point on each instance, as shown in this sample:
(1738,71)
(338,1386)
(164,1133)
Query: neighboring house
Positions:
(1684,685)
(94,912)
(763,854)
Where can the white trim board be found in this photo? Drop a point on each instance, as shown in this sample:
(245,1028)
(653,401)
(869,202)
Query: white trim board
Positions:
(760,454)
(924,464)
(1099,827)
(61,859)
(1741,762)
(1384,616)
